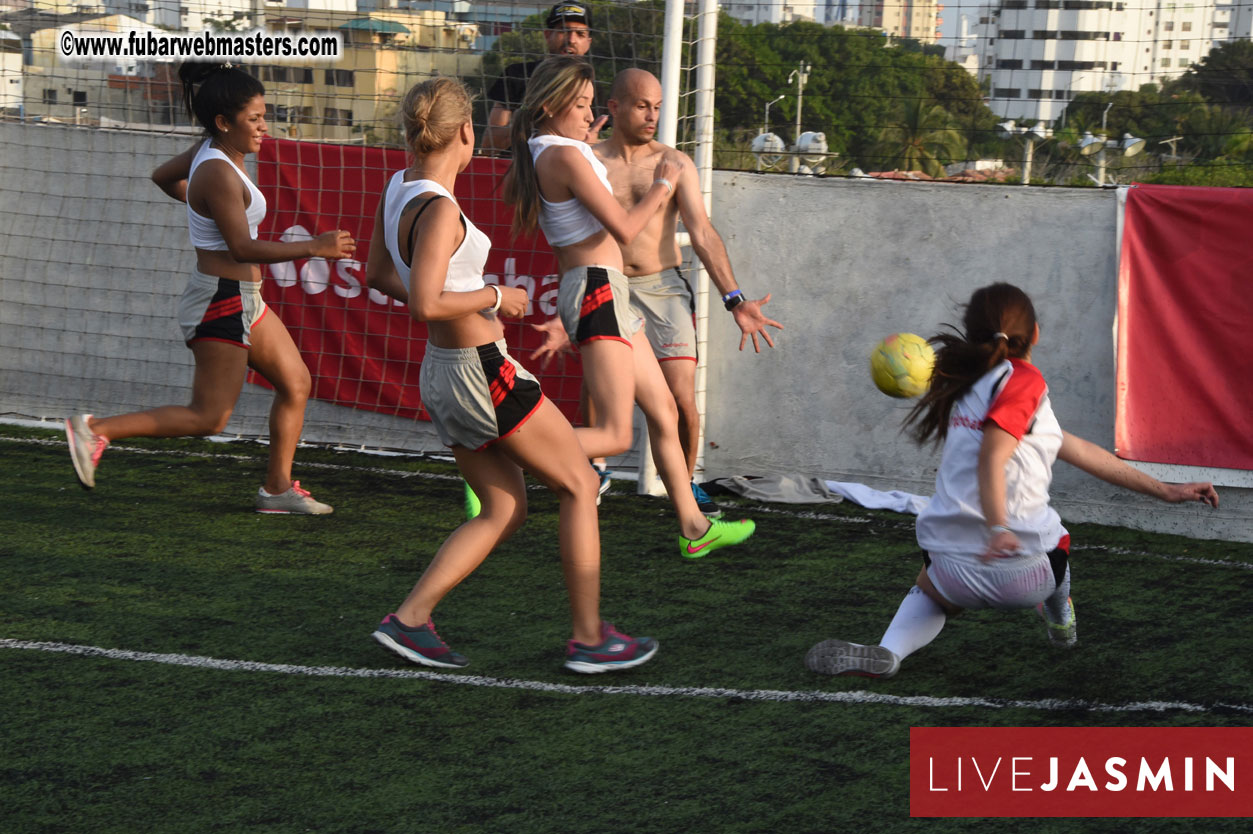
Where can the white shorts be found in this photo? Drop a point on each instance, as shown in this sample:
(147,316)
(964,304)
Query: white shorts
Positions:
(1005,583)
(220,310)
(665,302)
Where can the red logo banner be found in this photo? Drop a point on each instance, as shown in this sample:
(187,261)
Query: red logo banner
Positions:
(362,348)
(1185,300)
(1080,772)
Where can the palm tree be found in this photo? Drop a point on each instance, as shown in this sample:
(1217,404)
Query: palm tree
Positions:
(922,138)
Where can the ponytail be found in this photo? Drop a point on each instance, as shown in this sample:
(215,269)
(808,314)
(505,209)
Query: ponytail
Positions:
(999,324)
(212,90)
(552,87)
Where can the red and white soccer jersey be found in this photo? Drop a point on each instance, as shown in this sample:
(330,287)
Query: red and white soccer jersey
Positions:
(1014,396)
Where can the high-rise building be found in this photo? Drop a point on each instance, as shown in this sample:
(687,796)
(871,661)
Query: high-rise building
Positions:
(917,19)
(1038,54)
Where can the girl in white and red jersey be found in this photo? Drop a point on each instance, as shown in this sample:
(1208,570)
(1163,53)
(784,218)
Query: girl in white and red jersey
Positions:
(425,252)
(989,536)
(223,319)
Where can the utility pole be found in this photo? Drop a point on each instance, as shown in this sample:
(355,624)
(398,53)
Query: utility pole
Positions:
(801,74)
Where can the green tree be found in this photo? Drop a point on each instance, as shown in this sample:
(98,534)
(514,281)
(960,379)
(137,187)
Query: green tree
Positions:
(1225,75)
(920,139)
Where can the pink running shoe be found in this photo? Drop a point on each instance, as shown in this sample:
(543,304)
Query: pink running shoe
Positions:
(85,449)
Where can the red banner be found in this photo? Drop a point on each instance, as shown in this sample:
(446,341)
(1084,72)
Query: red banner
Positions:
(1080,771)
(362,348)
(1185,292)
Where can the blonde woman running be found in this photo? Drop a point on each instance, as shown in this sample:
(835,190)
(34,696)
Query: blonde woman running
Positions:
(485,407)
(224,321)
(555,182)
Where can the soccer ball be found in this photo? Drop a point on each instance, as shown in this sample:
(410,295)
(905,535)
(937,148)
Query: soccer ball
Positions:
(901,365)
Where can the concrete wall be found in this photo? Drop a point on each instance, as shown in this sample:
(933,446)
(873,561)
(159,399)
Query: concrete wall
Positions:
(93,259)
(851,261)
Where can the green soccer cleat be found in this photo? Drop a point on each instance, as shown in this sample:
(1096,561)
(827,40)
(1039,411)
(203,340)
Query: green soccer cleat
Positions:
(473,505)
(1062,635)
(720,534)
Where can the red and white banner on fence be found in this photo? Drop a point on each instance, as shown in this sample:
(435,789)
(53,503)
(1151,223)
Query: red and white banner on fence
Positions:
(1185,309)
(363,349)
(1081,771)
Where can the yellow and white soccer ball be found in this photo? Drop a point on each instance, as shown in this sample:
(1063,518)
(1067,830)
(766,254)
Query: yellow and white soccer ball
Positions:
(901,365)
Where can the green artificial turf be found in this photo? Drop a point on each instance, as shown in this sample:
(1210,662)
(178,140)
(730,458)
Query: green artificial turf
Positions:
(166,556)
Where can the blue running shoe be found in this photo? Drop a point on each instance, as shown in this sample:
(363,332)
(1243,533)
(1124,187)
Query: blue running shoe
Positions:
(615,651)
(706,504)
(420,645)
(605,474)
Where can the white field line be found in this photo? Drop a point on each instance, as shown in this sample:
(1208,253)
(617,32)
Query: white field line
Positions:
(774,695)
(755,508)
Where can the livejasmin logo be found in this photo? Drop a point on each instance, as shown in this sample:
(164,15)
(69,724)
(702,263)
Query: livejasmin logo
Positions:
(346,278)
(1021,772)
(1081,771)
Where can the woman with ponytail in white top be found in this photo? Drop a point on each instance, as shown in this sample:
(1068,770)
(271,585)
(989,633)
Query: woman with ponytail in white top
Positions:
(557,184)
(224,321)
(488,409)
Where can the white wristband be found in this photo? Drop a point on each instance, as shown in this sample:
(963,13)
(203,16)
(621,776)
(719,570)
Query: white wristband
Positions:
(499,297)
(998,528)
(669,186)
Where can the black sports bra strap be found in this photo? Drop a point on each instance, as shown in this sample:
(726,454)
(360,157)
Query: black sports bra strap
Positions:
(413,230)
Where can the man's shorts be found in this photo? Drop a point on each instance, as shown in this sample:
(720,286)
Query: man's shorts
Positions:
(477,395)
(1003,583)
(220,310)
(594,303)
(664,300)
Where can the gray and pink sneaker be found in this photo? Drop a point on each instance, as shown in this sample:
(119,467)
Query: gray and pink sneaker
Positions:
(615,651)
(294,500)
(420,645)
(85,449)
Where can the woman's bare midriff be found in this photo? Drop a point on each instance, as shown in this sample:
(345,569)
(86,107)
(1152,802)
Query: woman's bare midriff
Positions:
(598,250)
(222,265)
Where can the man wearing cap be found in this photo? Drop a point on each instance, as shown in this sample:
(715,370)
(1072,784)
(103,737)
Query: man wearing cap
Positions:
(567,32)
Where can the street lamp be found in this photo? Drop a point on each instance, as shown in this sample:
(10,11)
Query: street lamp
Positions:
(1128,145)
(1030,135)
(1088,144)
(766,121)
(801,74)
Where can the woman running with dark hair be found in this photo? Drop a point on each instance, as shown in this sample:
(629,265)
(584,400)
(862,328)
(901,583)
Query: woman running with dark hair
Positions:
(990,539)
(224,320)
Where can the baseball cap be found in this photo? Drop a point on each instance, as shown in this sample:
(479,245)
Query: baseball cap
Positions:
(569,11)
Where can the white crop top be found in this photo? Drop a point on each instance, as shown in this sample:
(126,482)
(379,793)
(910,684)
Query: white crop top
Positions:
(569,221)
(202,230)
(465,267)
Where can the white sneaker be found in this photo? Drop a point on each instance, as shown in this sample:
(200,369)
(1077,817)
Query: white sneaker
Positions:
(1063,636)
(295,500)
(839,657)
(85,449)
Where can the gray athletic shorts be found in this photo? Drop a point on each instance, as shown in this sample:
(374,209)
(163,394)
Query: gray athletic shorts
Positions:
(477,395)
(1003,583)
(665,302)
(220,310)
(594,303)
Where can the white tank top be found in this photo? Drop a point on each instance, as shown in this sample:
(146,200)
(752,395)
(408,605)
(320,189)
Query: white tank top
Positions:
(569,221)
(465,267)
(202,230)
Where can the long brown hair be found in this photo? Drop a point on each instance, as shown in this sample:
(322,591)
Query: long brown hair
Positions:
(999,323)
(552,88)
